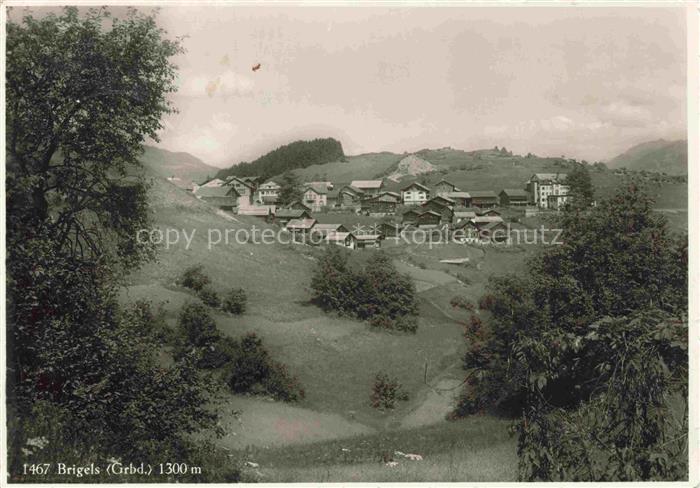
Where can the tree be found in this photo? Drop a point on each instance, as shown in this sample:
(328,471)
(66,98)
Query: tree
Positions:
(580,187)
(613,295)
(81,100)
(290,189)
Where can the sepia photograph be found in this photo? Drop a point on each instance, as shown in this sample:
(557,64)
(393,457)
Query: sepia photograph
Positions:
(349,242)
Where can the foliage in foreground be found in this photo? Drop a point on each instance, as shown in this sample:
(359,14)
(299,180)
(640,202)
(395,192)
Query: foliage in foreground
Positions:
(247,366)
(550,355)
(377,293)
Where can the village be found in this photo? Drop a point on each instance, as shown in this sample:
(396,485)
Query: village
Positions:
(363,213)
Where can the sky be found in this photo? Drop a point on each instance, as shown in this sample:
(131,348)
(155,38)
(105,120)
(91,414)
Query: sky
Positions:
(582,82)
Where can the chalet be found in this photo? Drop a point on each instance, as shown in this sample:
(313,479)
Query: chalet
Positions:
(389,230)
(381,204)
(491,212)
(465,230)
(494,231)
(323,230)
(368,240)
(460,198)
(299,205)
(262,211)
(253,180)
(443,187)
(442,206)
(429,218)
(244,188)
(369,187)
(300,228)
(484,199)
(411,217)
(512,197)
(332,198)
(284,215)
(223,197)
(345,239)
(315,197)
(268,192)
(350,196)
(460,214)
(548,190)
(415,194)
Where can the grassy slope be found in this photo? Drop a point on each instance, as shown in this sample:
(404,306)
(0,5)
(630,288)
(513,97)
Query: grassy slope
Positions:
(670,157)
(184,166)
(362,167)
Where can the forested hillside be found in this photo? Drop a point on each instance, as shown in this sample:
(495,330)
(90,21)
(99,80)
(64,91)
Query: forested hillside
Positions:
(298,154)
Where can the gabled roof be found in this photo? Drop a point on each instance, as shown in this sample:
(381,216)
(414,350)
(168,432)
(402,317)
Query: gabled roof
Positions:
(213,182)
(328,227)
(301,224)
(440,200)
(352,189)
(483,194)
(514,192)
(319,188)
(292,213)
(270,185)
(415,183)
(458,194)
(239,179)
(299,202)
(430,212)
(257,211)
(448,182)
(215,191)
(369,184)
(339,236)
(484,219)
(386,196)
(366,237)
(413,210)
(464,214)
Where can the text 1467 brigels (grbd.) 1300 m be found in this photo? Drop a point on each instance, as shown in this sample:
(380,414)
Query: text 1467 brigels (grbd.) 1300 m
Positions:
(112,469)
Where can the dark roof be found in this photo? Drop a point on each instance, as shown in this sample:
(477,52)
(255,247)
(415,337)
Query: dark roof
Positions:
(415,183)
(292,213)
(514,192)
(483,194)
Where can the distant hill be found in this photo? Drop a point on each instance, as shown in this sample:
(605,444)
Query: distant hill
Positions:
(670,157)
(361,167)
(411,165)
(299,154)
(180,168)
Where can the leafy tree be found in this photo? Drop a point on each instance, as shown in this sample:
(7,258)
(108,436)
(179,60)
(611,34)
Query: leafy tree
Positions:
(581,187)
(290,189)
(81,100)
(543,356)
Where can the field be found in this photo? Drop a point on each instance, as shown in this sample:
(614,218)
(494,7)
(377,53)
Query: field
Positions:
(334,434)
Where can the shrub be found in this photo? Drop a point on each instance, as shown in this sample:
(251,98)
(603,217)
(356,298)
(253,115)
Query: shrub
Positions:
(209,296)
(235,301)
(486,302)
(386,391)
(194,278)
(197,325)
(459,301)
(252,370)
(217,354)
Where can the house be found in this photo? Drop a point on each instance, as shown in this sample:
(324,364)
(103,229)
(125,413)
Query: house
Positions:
(465,230)
(415,194)
(548,190)
(284,215)
(323,230)
(263,211)
(491,212)
(442,206)
(268,192)
(460,214)
(345,239)
(315,197)
(349,196)
(300,228)
(381,204)
(460,198)
(512,197)
(443,187)
(484,199)
(244,188)
(332,198)
(389,230)
(411,217)
(429,218)
(494,231)
(328,185)
(486,219)
(369,187)
(299,205)
(223,197)
(368,240)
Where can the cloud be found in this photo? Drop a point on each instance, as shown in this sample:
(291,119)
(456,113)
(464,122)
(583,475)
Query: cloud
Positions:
(624,114)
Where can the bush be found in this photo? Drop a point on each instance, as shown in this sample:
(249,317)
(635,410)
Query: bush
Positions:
(194,278)
(386,391)
(377,293)
(252,370)
(459,301)
(235,301)
(197,325)
(209,296)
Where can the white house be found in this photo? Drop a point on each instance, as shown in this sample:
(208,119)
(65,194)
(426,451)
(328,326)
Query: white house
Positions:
(548,190)
(268,192)
(316,197)
(415,194)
